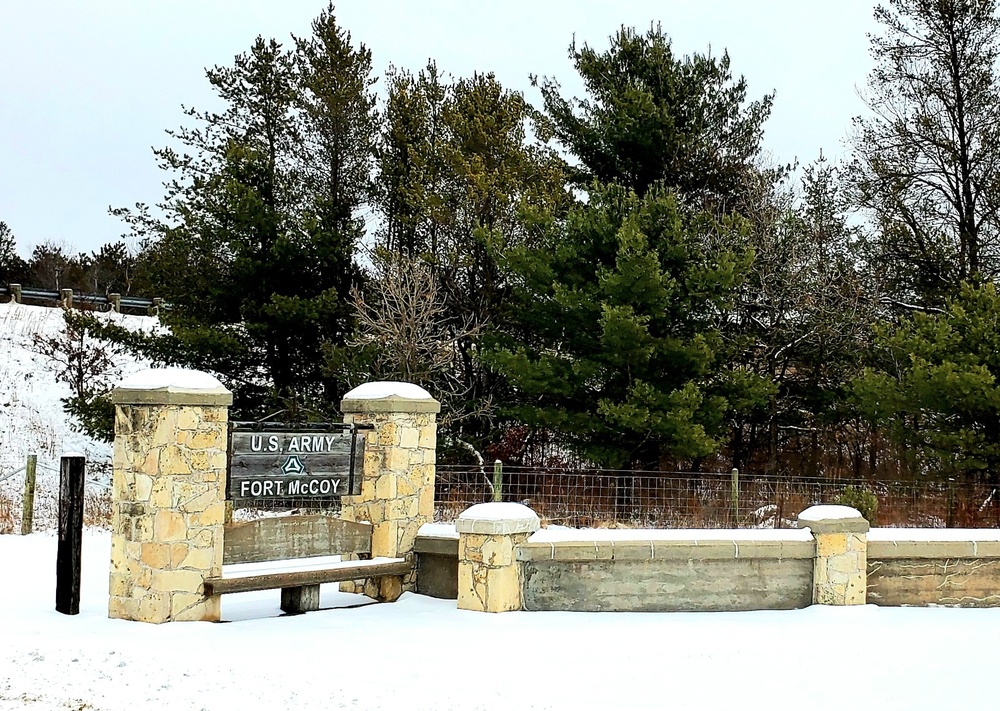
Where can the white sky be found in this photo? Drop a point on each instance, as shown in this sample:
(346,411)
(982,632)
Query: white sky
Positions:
(87,88)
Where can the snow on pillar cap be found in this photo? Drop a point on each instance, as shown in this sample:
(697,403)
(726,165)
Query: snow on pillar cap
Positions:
(389,396)
(171,386)
(497,518)
(831,518)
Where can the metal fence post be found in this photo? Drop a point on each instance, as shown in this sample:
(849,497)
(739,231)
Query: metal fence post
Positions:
(28,501)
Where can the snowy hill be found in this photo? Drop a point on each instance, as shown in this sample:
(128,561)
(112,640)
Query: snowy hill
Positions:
(32,420)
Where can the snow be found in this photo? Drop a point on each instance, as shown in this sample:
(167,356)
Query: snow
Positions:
(499,511)
(170,378)
(32,420)
(934,534)
(438,530)
(828,511)
(383,389)
(558,534)
(423,654)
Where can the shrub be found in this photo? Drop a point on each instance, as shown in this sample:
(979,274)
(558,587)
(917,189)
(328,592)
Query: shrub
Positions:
(861,498)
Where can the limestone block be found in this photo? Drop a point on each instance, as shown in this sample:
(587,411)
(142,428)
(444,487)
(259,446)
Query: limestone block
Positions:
(384,538)
(409,437)
(385,487)
(188,581)
(155,555)
(828,544)
(169,526)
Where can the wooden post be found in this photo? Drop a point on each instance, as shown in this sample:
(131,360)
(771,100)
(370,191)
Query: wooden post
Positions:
(15,293)
(154,310)
(498,480)
(71,481)
(115,303)
(28,502)
(66,298)
(734,495)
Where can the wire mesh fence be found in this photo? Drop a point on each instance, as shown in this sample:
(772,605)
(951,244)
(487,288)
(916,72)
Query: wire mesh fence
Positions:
(599,497)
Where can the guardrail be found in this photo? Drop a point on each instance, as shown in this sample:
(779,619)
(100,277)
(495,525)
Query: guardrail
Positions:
(69,298)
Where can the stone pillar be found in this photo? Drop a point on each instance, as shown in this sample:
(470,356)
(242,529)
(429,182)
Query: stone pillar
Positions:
(840,570)
(489,577)
(397,474)
(168,498)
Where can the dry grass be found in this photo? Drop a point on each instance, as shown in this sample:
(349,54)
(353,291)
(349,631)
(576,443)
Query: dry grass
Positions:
(9,522)
(97,508)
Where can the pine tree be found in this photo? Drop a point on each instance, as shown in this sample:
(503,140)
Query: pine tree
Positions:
(651,117)
(256,253)
(617,348)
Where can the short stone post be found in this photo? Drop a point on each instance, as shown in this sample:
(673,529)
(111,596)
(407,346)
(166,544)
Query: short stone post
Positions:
(168,495)
(489,578)
(397,474)
(840,570)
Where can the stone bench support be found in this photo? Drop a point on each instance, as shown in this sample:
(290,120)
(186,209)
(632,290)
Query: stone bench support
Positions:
(397,474)
(489,576)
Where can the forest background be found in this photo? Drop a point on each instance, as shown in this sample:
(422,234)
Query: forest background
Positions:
(619,278)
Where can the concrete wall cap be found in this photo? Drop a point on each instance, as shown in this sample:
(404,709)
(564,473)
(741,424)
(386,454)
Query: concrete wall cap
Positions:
(389,396)
(497,518)
(830,518)
(171,386)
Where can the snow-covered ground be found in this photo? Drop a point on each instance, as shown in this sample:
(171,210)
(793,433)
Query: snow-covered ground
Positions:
(422,653)
(32,420)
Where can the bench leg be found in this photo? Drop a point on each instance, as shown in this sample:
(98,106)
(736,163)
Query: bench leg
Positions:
(301,599)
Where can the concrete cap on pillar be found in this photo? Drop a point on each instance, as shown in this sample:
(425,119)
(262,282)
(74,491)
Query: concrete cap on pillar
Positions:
(497,518)
(389,396)
(171,386)
(830,518)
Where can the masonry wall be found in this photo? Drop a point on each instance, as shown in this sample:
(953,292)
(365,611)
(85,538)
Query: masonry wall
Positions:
(668,571)
(922,567)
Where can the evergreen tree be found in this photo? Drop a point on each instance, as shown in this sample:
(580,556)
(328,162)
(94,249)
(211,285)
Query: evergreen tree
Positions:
(937,387)
(617,347)
(255,256)
(457,173)
(13,269)
(650,116)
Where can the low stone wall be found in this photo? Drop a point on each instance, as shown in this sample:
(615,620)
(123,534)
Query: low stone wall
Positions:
(945,567)
(660,570)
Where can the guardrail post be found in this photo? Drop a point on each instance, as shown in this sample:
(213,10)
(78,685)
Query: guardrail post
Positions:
(28,501)
(66,298)
(71,481)
(154,310)
(115,301)
(15,293)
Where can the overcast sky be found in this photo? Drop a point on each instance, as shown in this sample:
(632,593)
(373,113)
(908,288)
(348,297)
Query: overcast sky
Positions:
(87,87)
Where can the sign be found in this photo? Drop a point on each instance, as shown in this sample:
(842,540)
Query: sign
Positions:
(305,463)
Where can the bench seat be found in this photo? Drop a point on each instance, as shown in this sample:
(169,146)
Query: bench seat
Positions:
(302,573)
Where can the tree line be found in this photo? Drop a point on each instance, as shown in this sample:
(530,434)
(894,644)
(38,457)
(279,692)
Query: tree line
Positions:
(620,277)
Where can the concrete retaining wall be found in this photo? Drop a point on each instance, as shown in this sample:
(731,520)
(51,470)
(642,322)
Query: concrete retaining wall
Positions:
(921,567)
(667,570)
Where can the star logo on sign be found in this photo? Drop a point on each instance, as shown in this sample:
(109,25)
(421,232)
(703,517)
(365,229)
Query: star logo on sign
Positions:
(292,466)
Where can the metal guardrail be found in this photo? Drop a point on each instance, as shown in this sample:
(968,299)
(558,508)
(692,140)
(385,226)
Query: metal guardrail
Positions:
(69,297)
